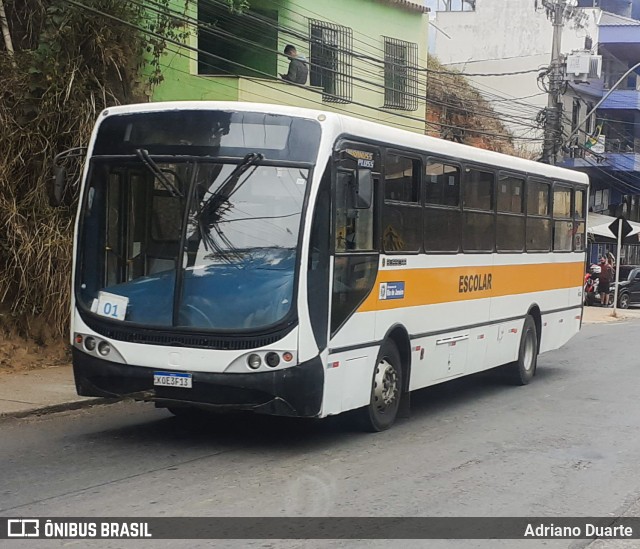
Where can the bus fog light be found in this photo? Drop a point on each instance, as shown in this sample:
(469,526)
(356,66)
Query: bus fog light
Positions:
(104,348)
(272,359)
(254,361)
(287,357)
(78,338)
(90,344)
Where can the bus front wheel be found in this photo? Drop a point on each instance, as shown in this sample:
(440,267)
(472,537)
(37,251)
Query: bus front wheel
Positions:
(386,391)
(522,370)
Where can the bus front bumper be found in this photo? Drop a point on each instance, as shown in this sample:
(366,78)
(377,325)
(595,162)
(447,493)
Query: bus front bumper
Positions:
(294,391)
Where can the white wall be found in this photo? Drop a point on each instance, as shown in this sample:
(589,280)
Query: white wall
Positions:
(504,36)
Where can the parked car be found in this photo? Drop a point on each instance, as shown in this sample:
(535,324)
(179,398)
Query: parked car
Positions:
(629,289)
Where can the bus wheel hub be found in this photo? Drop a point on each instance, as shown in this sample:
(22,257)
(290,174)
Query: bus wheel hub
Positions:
(385,386)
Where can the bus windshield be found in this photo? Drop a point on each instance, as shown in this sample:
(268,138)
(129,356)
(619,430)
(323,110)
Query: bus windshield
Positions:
(222,237)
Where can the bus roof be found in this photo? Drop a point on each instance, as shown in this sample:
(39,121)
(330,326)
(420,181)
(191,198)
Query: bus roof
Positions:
(357,127)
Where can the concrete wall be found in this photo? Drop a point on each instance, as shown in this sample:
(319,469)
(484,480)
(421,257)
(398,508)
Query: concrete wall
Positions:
(370,21)
(503,37)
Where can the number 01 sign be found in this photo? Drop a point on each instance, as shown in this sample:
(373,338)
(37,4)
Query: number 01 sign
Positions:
(112,305)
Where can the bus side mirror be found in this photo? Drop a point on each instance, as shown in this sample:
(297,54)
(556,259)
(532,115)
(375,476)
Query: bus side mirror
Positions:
(363,189)
(58,186)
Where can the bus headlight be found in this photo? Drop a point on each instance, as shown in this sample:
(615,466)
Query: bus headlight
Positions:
(272,359)
(104,348)
(90,344)
(254,361)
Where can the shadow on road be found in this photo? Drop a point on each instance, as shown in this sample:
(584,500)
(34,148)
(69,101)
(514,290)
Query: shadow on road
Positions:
(208,431)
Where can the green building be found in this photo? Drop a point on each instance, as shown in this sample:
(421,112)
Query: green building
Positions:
(366,58)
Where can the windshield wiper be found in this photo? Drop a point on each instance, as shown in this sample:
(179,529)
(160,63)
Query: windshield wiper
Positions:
(228,186)
(210,212)
(144,157)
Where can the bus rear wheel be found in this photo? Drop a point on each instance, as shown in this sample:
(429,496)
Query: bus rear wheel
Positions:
(386,391)
(522,370)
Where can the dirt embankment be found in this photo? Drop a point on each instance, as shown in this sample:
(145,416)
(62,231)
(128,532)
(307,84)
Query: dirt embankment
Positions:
(46,349)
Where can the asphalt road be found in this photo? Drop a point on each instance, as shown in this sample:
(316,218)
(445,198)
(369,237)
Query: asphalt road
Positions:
(565,445)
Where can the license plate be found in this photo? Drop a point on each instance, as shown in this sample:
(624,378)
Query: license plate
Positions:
(172,379)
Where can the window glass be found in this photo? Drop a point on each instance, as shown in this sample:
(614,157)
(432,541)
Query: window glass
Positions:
(538,234)
(578,208)
(478,189)
(401,228)
(443,184)
(537,198)
(354,227)
(510,233)
(353,277)
(562,236)
(402,179)
(510,193)
(478,232)
(442,230)
(561,202)
(579,237)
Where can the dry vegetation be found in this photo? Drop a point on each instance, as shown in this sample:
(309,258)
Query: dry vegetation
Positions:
(66,68)
(454,102)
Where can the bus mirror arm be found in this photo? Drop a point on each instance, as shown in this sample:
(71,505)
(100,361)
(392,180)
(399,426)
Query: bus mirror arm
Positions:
(58,186)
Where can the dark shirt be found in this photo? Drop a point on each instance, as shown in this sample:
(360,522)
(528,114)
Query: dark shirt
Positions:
(298,70)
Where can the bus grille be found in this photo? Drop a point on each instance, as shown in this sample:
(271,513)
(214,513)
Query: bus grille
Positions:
(202,341)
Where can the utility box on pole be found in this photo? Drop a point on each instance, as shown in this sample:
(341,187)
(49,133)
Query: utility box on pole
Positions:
(582,66)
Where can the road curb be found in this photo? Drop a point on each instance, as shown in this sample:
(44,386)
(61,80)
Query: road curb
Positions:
(61,407)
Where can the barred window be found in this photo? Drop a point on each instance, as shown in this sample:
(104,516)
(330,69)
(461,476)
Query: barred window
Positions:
(330,48)
(400,74)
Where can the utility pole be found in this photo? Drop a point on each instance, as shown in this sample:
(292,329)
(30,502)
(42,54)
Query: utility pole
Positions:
(553,113)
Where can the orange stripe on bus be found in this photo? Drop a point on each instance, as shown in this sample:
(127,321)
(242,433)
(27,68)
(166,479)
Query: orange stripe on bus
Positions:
(441,285)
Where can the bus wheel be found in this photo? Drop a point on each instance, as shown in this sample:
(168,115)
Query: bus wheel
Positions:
(522,370)
(386,391)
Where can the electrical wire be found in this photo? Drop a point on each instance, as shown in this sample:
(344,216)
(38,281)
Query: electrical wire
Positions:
(179,44)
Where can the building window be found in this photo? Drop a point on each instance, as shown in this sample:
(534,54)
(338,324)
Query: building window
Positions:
(451,5)
(228,41)
(400,74)
(330,49)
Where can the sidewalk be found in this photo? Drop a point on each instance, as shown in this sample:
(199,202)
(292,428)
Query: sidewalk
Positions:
(40,391)
(598,315)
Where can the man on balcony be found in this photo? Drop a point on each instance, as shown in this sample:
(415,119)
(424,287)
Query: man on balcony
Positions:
(298,70)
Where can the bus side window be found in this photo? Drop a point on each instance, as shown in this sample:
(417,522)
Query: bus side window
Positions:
(578,221)
(478,228)
(510,220)
(402,212)
(538,216)
(562,219)
(442,217)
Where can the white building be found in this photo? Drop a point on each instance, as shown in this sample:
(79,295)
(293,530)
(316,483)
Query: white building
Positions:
(503,37)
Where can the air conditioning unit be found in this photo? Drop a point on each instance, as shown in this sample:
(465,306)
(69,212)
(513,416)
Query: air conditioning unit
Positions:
(582,66)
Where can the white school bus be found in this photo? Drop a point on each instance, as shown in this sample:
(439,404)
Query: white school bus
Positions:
(237,256)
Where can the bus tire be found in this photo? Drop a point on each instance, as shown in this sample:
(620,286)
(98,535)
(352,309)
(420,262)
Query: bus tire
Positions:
(386,391)
(522,370)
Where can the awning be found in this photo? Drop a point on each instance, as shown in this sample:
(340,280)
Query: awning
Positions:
(598,225)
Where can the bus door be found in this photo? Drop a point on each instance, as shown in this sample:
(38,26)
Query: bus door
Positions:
(356,247)
(142,226)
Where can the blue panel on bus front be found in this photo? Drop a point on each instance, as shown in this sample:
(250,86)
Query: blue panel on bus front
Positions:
(241,295)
